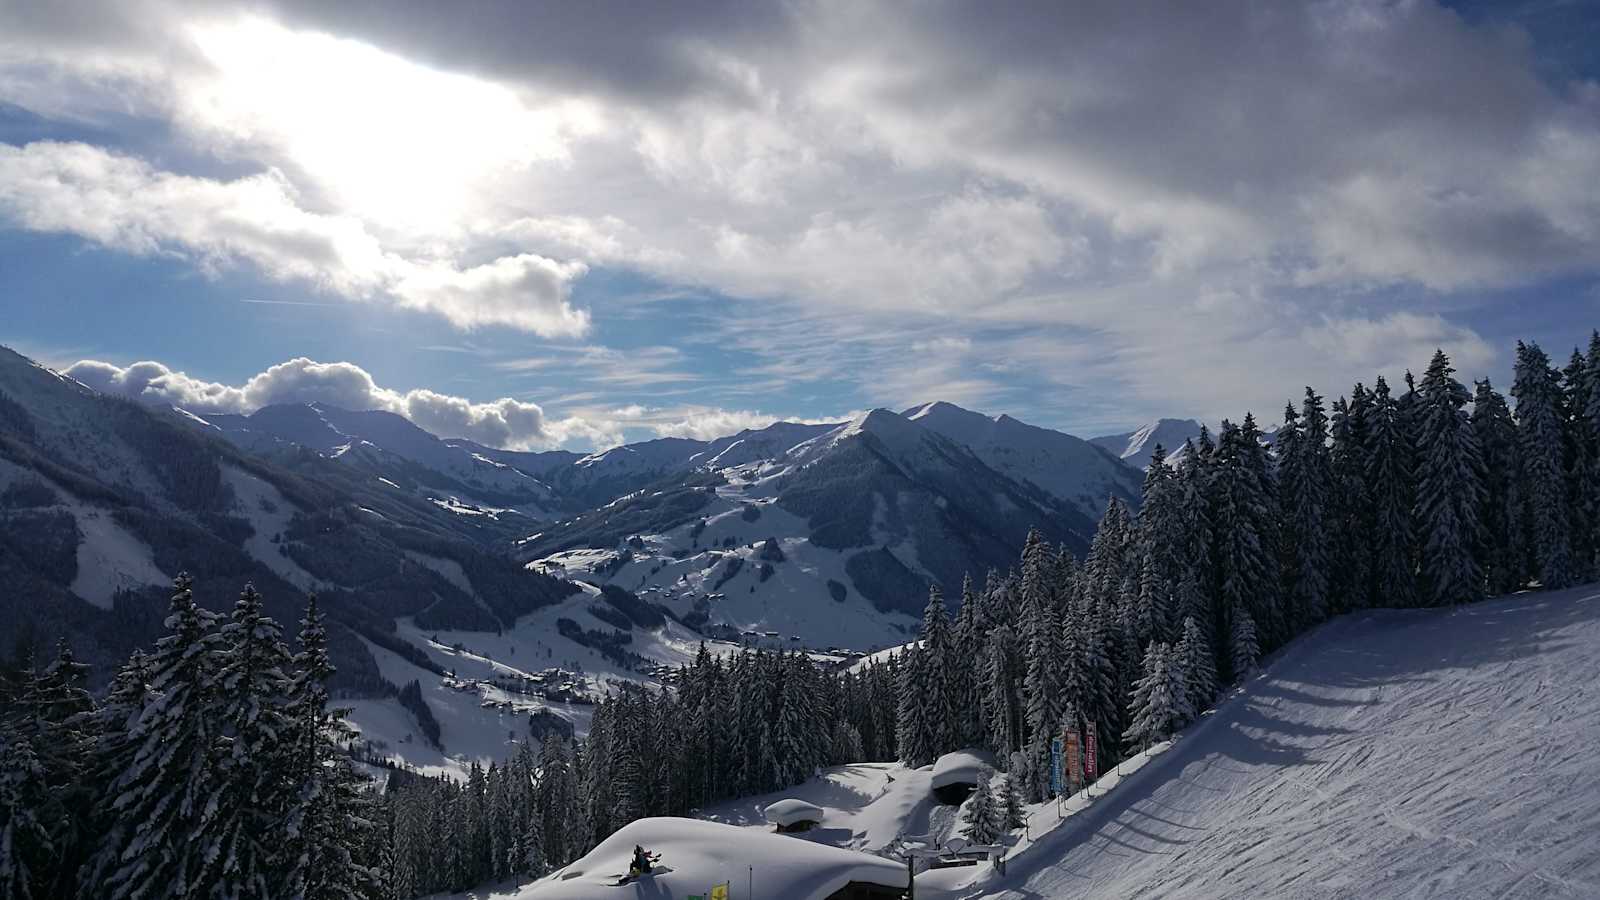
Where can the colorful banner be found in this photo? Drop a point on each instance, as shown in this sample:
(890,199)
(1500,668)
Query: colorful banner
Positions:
(1055,765)
(1091,761)
(720,892)
(1074,759)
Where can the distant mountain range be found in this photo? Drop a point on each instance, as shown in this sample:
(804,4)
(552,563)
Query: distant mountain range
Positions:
(821,535)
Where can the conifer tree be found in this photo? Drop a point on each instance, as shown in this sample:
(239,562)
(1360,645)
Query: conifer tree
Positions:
(1011,806)
(1350,515)
(1541,484)
(982,820)
(164,839)
(1199,670)
(1243,646)
(1002,711)
(27,847)
(1496,434)
(1449,488)
(942,716)
(1160,702)
(254,776)
(1306,486)
(1389,483)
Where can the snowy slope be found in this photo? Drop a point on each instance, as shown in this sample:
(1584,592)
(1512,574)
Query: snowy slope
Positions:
(1134,447)
(1417,754)
(390,446)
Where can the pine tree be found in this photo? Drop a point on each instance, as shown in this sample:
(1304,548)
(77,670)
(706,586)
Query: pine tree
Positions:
(1243,526)
(164,839)
(1578,456)
(943,714)
(983,820)
(912,732)
(253,774)
(1012,813)
(1586,422)
(1002,712)
(1496,434)
(1541,484)
(1041,659)
(27,848)
(1350,515)
(1449,488)
(1389,486)
(1160,703)
(1243,646)
(329,819)
(1306,487)
(1199,669)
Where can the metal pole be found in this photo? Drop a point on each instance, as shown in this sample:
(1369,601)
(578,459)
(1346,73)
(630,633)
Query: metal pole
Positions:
(750,884)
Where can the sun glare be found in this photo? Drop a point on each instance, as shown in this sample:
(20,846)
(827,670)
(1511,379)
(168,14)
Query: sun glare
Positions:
(403,146)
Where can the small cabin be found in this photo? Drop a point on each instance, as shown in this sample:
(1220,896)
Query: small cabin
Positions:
(790,816)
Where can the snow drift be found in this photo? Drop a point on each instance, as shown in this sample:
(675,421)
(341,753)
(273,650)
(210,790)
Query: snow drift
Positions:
(695,855)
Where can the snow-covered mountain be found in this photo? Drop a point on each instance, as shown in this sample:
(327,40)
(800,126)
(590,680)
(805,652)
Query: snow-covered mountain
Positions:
(1067,467)
(390,446)
(834,540)
(1135,447)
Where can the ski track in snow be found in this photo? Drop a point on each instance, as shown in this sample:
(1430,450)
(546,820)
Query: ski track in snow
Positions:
(1395,754)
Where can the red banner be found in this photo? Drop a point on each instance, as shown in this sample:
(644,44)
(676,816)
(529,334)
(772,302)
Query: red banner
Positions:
(1091,763)
(1074,759)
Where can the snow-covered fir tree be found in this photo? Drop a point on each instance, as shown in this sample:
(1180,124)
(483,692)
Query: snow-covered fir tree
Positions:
(1306,484)
(1449,489)
(1541,481)
(1496,433)
(983,819)
(164,839)
(1160,701)
(1193,654)
(1389,495)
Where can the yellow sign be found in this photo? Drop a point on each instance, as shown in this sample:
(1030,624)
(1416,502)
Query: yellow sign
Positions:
(720,892)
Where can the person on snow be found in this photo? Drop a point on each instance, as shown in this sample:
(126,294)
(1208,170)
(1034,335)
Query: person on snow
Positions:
(641,861)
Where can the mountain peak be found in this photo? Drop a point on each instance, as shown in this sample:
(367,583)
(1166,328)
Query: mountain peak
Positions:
(1135,447)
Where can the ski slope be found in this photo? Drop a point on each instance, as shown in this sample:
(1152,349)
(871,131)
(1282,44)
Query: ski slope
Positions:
(1390,754)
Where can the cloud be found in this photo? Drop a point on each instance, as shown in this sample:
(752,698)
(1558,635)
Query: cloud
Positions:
(1111,204)
(122,203)
(506,423)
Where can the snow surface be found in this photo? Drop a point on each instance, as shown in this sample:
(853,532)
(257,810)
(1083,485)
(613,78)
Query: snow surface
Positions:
(960,767)
(269,514)
(1416,753)
(789,811)
(110,557)
(695,855)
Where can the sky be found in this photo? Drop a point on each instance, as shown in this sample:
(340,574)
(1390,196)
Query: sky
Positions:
(568,225)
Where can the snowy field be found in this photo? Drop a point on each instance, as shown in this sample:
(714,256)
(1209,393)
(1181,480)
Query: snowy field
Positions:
(1391,754)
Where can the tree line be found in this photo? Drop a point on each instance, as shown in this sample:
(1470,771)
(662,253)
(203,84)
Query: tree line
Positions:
(213,767)
(1432,497)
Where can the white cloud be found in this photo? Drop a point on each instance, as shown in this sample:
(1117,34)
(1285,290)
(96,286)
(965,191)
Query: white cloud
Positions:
(123,203)
(1111,200)
(506,423)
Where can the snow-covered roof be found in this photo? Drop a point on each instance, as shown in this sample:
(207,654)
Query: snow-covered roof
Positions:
(960,767)
(696,855)
(790,811)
